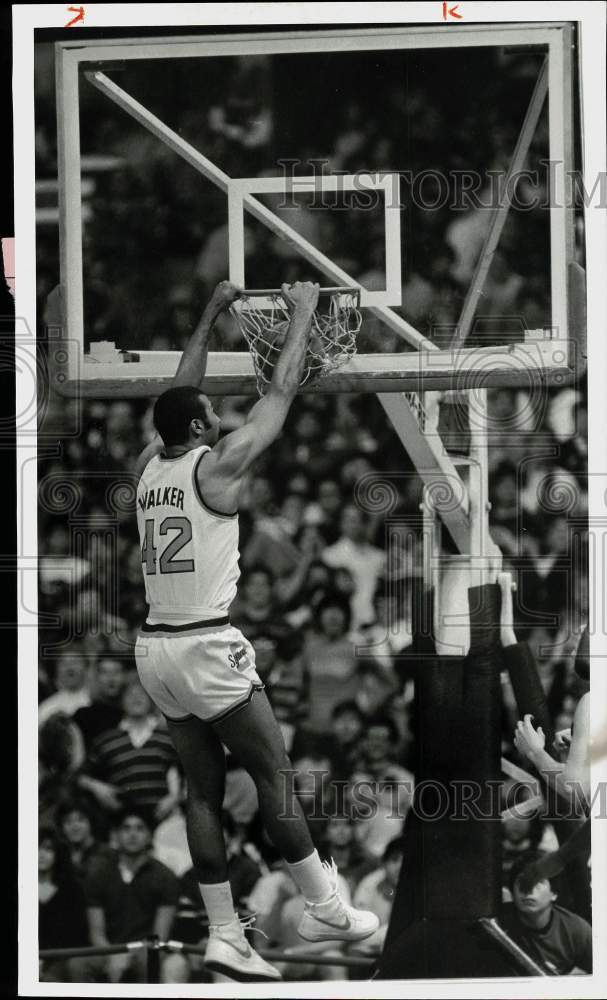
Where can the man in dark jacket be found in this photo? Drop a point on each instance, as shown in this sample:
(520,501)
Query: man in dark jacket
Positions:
(559,940)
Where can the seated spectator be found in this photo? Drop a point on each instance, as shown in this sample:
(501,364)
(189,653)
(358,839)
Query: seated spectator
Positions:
(376,892)
(135,762)
(255,611)
(88,617)
(519,836)
(60,757)
(299,484)
(315,586)
(105,710)
(379,750)
(382,784)
(354,468)
(346,727)
(271,543)
(258,501)
(366,563)
(291,513)
(325,510)
(559,940)
(240,799)
(538,839)
(344,584)
(313,787)
(390,632)
(75,822)
(58,568)
(331,663)
(545,579)
(571,860)
(290,588)
(71,692)
(341,846)
(303,448)
(505,514)
(130,896)
(61,908)
(287,684)
(376,690)
(170,842)
(261,495)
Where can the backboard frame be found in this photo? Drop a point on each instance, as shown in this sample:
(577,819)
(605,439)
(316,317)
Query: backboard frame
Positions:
(384,183)
(229,372)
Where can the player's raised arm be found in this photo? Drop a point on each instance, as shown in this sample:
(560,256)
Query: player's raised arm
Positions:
(235,453)
(302,299)
(193,362)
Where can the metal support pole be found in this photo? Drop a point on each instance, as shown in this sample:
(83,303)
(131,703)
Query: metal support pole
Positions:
(482,547)
(432,463)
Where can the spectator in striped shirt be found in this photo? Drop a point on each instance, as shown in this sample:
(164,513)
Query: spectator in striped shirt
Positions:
(105,710)
(135,762)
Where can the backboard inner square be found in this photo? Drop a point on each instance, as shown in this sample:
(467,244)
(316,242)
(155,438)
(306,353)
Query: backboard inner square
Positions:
(242,191)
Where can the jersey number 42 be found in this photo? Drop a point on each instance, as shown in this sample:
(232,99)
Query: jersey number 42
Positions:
(167,563)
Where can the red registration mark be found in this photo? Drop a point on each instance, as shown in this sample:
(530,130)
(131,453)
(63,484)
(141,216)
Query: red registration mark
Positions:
(451,11)
(79,12)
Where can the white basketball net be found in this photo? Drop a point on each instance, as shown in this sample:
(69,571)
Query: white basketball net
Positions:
(264,325)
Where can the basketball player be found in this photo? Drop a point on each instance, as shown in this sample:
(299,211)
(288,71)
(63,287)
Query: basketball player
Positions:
(198,668)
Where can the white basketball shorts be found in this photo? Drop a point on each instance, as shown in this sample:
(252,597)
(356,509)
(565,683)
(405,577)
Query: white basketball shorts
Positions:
(200,670)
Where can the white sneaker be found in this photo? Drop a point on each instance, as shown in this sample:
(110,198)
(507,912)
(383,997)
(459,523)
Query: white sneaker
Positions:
(334,920)
(229,952)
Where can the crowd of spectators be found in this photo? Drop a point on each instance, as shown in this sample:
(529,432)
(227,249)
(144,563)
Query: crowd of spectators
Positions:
(326,589)
(331,629)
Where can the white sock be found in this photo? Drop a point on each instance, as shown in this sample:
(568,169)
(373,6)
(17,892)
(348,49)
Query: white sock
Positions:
(311,878)
(218,902)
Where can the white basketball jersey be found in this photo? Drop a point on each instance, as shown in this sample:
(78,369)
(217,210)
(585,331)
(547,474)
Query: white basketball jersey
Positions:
(189,553)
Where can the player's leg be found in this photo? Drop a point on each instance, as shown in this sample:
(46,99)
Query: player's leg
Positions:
(253,736)
(199,750)
(203,760)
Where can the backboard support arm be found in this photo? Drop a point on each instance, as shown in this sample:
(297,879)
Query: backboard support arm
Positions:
(500,212)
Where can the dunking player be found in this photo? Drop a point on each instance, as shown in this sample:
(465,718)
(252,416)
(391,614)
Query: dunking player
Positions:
(197,667)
